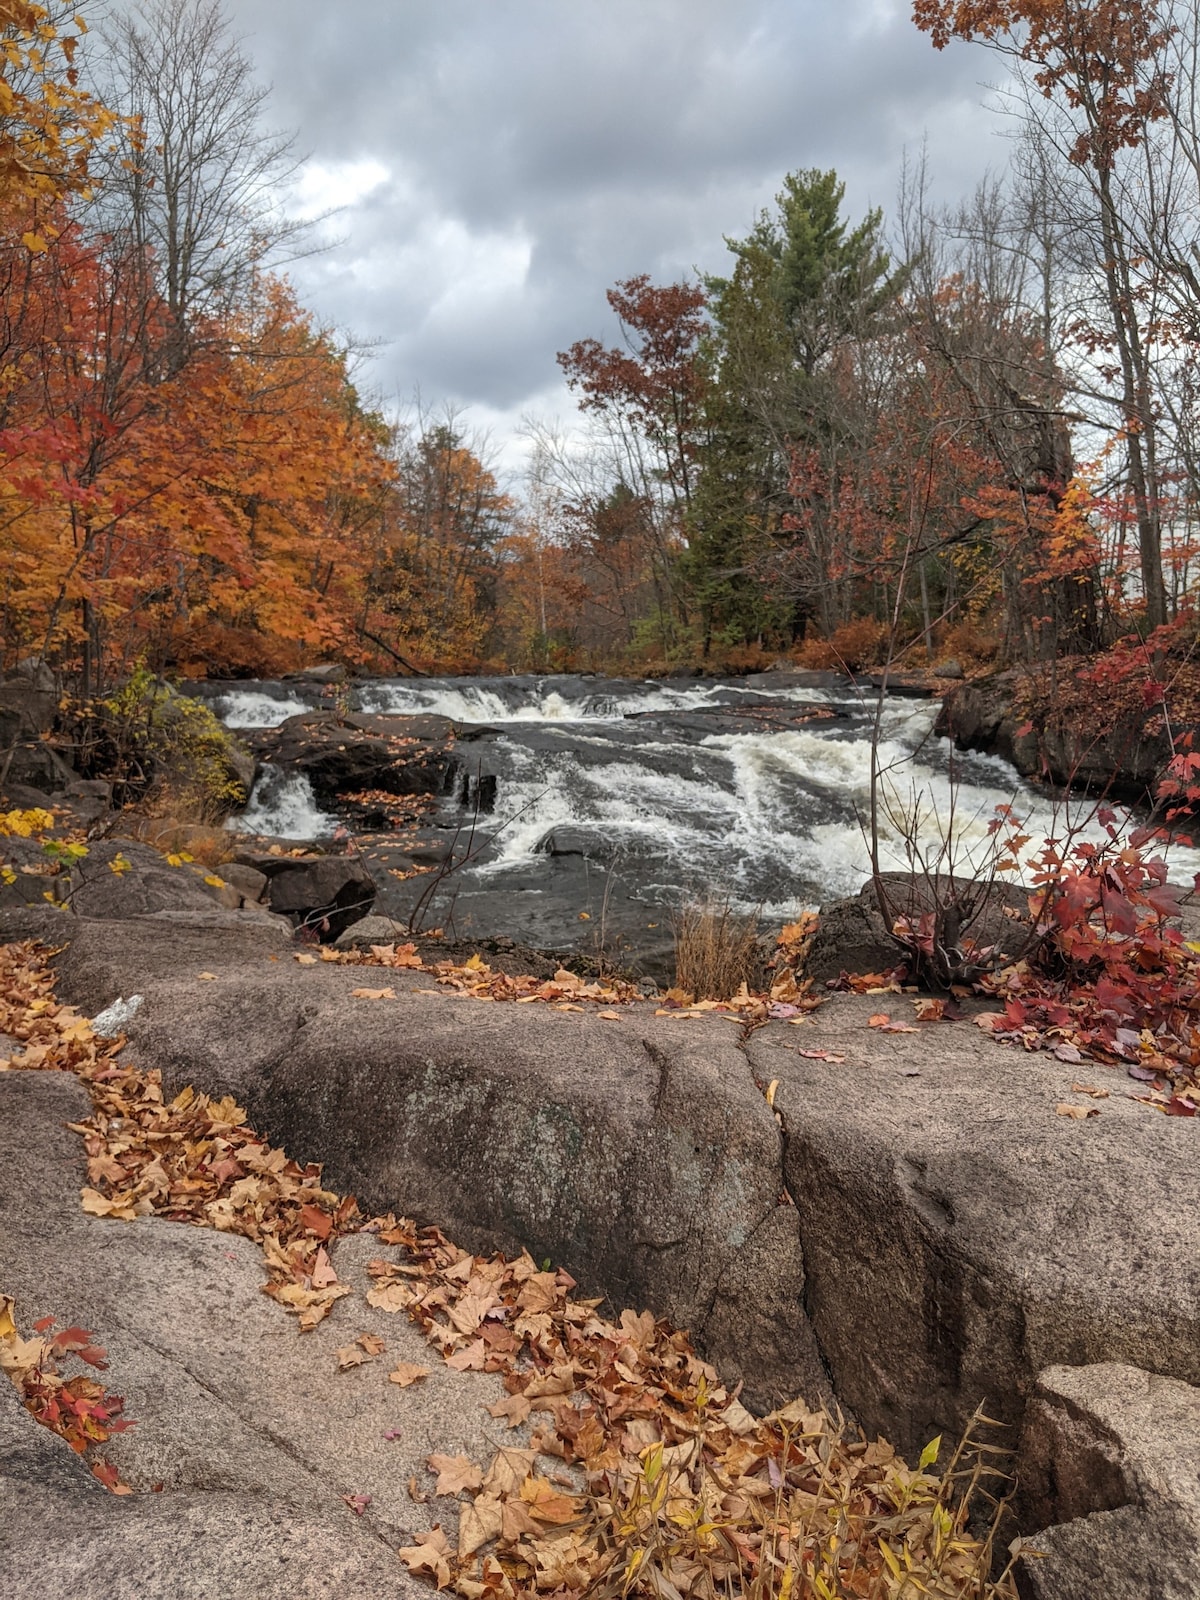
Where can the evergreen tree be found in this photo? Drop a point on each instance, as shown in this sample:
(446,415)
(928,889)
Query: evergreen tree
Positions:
(803,285)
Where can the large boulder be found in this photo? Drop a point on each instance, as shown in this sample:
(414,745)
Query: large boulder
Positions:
(1109,1470)
(247,1436)
(120,878)
(959,1233)
(1124,758)
(325,894)
(352,753)
(639,1154)
(979,715)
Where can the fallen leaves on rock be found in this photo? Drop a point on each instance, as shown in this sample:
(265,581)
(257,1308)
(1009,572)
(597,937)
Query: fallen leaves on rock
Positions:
(644,1475)
(407,1373)
(660,1482)
(77,1408)
(191,1158)
(884,1023)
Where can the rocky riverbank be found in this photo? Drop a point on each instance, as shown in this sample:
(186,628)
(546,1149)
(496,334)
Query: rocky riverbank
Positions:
(1065,732)
(903,1222)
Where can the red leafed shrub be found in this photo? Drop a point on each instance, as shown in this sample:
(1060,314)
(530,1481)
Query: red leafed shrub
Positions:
(1112,978)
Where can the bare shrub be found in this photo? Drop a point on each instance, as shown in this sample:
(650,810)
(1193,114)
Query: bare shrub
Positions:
(716,950)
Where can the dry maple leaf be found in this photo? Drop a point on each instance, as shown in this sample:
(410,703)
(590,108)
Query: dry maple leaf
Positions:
(508,1471)
(469,1360)
(1090,1089)
(454,1474)
(323,1275)
(546,1503)
(392,1296)
(373,994)
(349,1355)
(372,1345)
(1078,1112)
(514,1410)
(407,1373)
(479,1522)
(429,1555)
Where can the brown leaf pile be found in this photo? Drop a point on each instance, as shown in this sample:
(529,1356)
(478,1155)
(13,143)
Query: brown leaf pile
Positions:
(474,978)
(665,1485)
(189,1159)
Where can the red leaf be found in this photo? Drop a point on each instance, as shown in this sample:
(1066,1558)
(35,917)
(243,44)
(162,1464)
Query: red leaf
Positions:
(316,1221)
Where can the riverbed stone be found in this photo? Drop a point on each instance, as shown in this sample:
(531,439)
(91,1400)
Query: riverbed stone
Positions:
(324,894)
(853,937)
(345,754)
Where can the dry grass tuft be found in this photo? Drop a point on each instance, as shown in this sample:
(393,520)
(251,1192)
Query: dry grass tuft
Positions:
(716,950)
(206,845)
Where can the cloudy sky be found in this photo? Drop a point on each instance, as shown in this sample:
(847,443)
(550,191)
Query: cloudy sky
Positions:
(499,163)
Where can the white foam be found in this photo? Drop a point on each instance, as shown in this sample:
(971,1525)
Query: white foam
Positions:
(250,708)
(472,702)
(283,806)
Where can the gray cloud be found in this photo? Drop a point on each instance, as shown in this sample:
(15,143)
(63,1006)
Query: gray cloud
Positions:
(502,162)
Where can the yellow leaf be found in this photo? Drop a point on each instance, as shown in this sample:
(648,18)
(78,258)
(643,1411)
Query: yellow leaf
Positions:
(213,881)
(34,243)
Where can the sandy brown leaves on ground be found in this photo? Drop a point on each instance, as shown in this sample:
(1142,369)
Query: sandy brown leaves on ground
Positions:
(191,1158)
(644,1475)
(476,979)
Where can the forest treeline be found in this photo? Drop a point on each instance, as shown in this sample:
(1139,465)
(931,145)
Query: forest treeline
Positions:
(969,431)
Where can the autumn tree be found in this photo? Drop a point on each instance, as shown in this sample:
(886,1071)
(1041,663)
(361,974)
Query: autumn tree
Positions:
(1100,70)
(193,184)
(445,521)
(793,325)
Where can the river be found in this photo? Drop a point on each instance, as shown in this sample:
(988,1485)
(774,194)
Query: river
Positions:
(609,801)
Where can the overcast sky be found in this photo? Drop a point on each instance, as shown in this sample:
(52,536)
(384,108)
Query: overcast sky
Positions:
(502,162)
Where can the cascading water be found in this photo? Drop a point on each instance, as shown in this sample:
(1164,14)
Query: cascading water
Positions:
(612,799)
(283,806)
